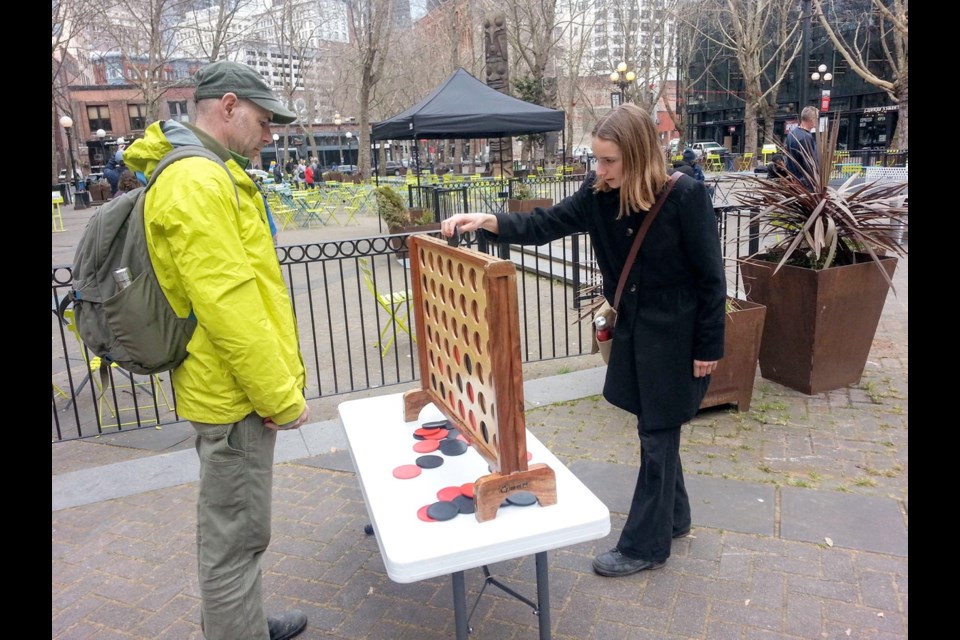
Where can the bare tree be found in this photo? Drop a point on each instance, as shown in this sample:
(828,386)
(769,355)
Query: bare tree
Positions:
(144,34)
(691,24)
(69,19)
(763,37)
(873,41)
(371,28)
(534,35)
(573,51)
(291,29)
(218,29)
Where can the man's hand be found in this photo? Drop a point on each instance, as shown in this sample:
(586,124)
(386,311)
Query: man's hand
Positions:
(296,424)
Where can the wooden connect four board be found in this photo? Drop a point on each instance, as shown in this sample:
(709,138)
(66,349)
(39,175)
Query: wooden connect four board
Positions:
(468,343)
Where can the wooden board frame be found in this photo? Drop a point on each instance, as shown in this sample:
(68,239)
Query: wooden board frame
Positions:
(468,342)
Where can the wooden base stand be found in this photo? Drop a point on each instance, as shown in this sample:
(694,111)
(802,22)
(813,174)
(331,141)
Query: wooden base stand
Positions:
(413,401)
(491,490)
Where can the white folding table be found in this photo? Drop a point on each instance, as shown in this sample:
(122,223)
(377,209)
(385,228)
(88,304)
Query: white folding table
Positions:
(412,549)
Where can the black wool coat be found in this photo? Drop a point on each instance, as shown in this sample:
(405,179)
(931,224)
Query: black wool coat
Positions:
(673,304)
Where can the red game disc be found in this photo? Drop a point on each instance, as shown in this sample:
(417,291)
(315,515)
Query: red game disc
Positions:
(426,446)
(407,471)
(467,489)
(448,494)
(529,456)
(422,514)
(431,434)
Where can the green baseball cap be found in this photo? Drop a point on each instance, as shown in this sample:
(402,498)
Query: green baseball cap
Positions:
(225,76)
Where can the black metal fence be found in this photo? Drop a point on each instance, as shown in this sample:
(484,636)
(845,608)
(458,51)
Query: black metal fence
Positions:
(354,314)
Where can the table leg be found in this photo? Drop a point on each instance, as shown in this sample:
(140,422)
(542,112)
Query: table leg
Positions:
(460,606)
(543,596)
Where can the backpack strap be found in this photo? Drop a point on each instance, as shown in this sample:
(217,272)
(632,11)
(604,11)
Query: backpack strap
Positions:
(190,151)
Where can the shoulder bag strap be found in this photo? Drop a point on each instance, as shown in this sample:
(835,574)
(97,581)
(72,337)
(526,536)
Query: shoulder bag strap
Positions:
(632,256)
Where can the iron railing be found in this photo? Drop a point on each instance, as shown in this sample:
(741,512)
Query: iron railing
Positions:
(344,332)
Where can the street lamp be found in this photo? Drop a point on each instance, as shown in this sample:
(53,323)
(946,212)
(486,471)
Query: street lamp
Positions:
(101,134)
(621,77)
(823,76)
(337,121)
(276,147)
(349,135)
(67,123)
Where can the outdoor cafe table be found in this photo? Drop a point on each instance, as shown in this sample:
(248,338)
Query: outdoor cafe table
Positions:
(413,549)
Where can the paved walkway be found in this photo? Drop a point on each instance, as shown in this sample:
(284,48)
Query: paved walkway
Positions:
(799,509)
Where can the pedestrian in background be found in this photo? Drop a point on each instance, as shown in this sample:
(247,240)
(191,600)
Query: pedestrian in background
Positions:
(128,182)
(802,147)
(690,165)
(243,380)
(670,324)
(777,167)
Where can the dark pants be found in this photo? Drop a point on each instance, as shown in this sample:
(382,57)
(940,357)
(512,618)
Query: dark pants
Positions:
(660,504)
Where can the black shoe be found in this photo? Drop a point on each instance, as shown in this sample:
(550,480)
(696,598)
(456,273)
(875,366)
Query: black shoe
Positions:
(614,564)
(284,626)
(682,534)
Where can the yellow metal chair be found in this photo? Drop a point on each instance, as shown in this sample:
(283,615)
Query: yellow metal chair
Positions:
(713,163)
(746,162)
(395,304)
(57,215)
(148,395)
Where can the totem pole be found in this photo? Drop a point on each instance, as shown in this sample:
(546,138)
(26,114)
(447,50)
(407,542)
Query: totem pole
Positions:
(498,77)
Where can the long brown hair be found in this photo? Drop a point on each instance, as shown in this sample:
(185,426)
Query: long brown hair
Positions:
(644,170)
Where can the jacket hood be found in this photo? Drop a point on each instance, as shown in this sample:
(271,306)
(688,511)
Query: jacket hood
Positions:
(158,139)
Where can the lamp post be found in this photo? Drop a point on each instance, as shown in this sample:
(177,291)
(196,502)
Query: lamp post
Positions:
(67,123)
(337,121)
(823,76)
(101,134)
(276,147)
(621,78)
(349,135)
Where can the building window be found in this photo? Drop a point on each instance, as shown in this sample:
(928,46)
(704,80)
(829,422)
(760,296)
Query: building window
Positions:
(138,116)
(178,111)
(98,116)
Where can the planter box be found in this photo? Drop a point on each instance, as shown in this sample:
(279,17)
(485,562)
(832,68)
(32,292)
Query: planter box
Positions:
(820,324)
(526,206)
(732,381)
(399,245)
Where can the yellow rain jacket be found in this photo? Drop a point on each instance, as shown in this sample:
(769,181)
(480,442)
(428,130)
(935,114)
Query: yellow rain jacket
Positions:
(220,262)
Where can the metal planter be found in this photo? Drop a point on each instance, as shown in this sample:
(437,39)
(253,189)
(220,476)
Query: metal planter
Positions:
(732,381)
(820,324)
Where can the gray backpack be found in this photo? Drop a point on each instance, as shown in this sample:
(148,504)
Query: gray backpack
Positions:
(120,311)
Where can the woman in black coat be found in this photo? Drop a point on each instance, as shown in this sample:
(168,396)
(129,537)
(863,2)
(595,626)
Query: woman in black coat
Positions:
(670,324)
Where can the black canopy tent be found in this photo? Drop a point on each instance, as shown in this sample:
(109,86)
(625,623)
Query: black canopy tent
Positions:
(463,107)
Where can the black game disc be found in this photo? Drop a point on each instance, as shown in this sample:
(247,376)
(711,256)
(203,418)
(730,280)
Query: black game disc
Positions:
(436,424)
(452,434)
(429,462)
(442,510)
(465,504)
(452,447)
(522,498)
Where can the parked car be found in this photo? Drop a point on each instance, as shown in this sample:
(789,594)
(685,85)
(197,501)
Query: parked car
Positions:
(393,167)
(347,169)
(703,147)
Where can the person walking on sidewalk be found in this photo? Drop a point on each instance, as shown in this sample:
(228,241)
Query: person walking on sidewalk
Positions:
(244,377)
(670,325)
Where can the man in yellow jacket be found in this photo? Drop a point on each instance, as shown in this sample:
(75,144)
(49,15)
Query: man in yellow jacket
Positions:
(244,378)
